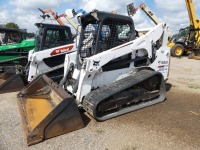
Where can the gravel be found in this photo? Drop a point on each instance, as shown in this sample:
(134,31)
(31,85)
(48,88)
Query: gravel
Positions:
(173,124)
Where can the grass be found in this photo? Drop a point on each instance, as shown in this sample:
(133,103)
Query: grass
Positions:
(186,79)
(173,85)
(190,80)
(100,131)
(130,148)
(194,87)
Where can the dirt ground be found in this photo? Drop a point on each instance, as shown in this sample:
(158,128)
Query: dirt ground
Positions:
(172,124)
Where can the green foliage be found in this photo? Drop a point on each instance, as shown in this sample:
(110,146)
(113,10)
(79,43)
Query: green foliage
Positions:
(130,148)
(12,25)
(2,25)
(194,86)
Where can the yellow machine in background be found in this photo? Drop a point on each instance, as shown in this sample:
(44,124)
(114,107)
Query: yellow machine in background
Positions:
(188,39)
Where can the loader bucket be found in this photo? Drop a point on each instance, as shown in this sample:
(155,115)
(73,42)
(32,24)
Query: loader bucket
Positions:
(11,82)
(5,76)
(195,54)
(47,110)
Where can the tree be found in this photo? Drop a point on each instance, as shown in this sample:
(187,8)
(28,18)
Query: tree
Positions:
(12,25)
(2,25)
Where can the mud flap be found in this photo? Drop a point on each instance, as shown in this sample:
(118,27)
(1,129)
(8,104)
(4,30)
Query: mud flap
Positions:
(12,82)
(47,110)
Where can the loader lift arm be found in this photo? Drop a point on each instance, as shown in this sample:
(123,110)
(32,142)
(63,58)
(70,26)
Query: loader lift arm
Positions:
(56,40)
(58,17)
(111,73)
(47,57)
(45,14)
(132,10)
(145,9)
(194,21)
(192,14)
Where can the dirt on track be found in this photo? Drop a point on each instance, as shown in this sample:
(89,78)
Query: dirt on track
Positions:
(172,124)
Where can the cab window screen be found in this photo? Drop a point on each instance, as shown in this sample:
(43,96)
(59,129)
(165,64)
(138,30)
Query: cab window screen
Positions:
(56,38)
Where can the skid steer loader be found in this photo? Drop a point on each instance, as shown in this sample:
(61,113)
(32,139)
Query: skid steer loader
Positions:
(43,62)
(48,57)
(113,72)
(14,48)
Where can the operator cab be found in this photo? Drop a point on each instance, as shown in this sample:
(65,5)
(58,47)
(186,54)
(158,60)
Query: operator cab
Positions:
(51,35)
(186,36)
(102,31)
(11,35)
(191,40)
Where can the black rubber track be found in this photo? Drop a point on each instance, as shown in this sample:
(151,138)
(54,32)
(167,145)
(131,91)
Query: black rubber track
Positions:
(91,101)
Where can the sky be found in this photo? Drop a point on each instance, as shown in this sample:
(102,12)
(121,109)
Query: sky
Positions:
(25,13)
